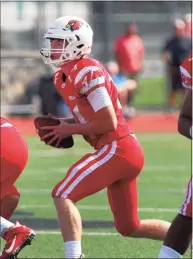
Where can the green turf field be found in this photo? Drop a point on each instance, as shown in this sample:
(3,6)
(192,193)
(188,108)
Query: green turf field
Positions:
(161,191)
(152,94)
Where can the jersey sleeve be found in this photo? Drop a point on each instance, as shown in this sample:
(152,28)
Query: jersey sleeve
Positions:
(88,79)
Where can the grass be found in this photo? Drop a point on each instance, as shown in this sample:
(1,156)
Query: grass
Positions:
(161,191)
(152,94)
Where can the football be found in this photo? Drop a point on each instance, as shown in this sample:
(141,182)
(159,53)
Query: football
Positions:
(43,121)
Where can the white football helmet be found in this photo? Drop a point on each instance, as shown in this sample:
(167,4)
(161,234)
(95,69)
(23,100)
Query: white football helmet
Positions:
(77,35)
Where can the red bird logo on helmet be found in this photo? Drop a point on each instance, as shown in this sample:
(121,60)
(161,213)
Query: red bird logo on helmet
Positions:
(73,25)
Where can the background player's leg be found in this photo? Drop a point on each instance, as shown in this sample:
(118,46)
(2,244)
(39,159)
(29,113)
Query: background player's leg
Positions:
(16,236)
(178,238)
(9,195)
(4,226)
(9,199)
(8,205)
(122,197)
(13,158)
(152,229)
(180,232)
(14,155)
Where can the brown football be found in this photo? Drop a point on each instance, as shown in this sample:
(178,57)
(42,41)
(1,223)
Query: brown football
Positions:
(42,121)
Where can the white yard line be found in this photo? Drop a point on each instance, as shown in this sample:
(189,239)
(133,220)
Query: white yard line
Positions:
(142,191)
(149,137)
(97,207)
(41,232)
(41,153)
(59,153)
(149,168)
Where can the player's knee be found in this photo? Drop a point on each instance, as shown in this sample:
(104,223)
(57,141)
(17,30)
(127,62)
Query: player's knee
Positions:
(8,204)
(53,193)
(127,228)
(56,194)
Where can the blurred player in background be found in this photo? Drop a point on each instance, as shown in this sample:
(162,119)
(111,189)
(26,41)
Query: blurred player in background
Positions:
(176,49)
(92,98)
(124,85)
(188,25)
(14,155)
(180,232)
(129,53)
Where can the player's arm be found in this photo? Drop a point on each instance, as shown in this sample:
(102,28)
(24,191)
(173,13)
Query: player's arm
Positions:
(92,85)
(185,117)
(104,119)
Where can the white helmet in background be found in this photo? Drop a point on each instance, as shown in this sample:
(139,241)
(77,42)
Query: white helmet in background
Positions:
(77,36)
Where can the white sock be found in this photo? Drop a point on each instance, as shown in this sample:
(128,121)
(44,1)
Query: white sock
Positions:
(73,249)
(4,226)
(167,252)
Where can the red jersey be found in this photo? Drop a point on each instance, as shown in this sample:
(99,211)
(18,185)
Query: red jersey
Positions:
(186,72)
(188,28)
(4,123)
(85,78)
(129,52)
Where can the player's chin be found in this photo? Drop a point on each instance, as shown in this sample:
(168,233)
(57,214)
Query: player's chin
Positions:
(53,57)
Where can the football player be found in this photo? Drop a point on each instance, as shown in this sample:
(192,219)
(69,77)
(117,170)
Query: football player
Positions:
(14,155)
(180,232)
(92,97)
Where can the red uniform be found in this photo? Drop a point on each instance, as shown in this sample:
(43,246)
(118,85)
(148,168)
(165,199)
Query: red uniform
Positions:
(186,208)
(186,73)
(14,155)
(130,53)
(118,159)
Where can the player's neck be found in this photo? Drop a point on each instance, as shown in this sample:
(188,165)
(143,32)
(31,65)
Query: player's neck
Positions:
(66,68)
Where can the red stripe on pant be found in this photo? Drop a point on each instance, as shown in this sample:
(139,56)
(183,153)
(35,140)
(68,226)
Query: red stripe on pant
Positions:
(96,160)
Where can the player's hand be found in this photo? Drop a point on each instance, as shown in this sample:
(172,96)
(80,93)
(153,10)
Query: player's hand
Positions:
(58,132)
